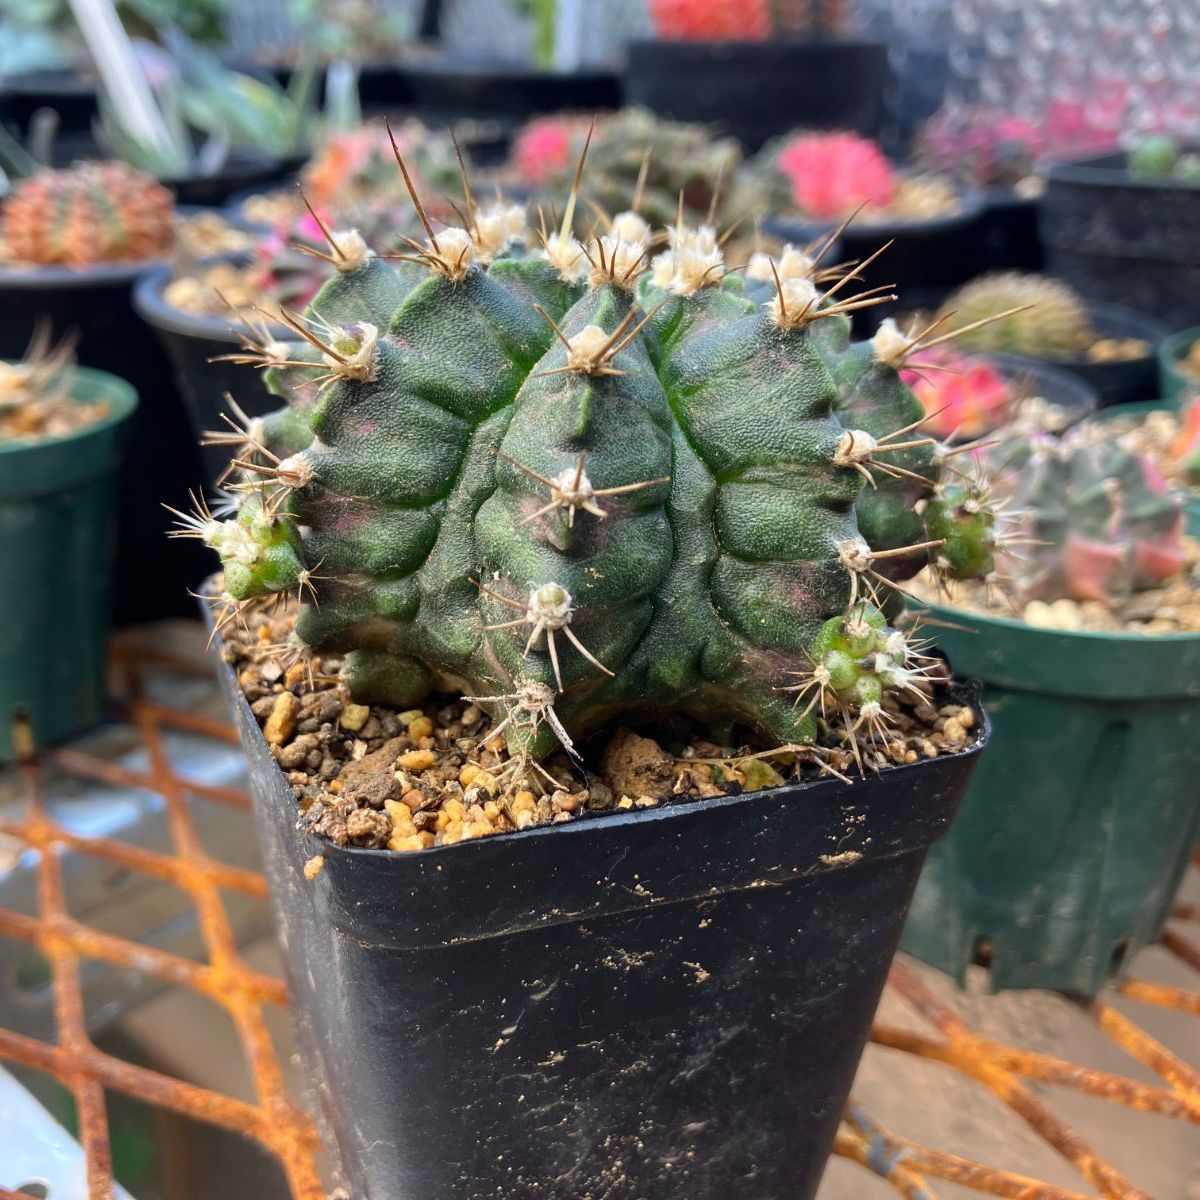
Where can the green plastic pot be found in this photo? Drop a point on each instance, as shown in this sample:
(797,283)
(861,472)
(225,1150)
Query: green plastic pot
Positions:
(1081,819)
(57,542)
(1175,385)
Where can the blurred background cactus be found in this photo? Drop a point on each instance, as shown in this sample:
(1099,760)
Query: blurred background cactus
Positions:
(631,152)
(89,213)
(1101,521)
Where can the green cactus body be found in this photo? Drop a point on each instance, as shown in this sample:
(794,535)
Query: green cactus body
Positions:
(647,496)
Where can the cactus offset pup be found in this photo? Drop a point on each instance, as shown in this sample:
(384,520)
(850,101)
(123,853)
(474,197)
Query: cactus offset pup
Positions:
(587,480)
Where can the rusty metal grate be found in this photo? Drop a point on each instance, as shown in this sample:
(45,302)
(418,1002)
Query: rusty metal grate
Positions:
(280,1127)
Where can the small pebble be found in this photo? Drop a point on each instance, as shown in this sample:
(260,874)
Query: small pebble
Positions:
(354,717)
(417,760)
(281,724)
(313,867)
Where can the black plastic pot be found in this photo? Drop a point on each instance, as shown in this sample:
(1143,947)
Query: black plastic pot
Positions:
(661,1003)
(191,341)
(243,170)
(926,260)
(71,95)
(1074,396)
(152,571)
(760,90)
(1009,230)
(446,88)
(1134,242)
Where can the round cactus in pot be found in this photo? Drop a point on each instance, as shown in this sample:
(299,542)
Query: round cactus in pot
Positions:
(1073,840)
(587,486)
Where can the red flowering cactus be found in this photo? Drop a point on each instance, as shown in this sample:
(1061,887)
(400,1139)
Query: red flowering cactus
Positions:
(543,148)
(710,20)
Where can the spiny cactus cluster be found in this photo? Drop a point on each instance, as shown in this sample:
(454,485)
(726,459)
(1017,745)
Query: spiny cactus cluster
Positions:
(1046,318)
(582,478)
(631,153)
(1097,521)
(745,20)
(93,212)
(35,393)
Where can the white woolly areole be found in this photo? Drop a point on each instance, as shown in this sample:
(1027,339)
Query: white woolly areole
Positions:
(630,227)
(791,264)
(235,542)
(454,254)
(854,446)
(497,226)
(357,362)
(587,349)
(889,344)
(566,256)
(572,485)
(352,250)
(694,261)
(616,261)
(298,468)
(549,605)
(794,303)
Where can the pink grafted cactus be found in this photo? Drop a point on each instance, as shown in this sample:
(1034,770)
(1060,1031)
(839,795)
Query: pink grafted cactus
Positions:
(982,147)
(1101,521)
(831,174)
(963,395)
(543,148)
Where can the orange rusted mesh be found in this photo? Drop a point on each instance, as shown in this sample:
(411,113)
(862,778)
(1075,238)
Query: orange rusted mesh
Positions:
(281,1128)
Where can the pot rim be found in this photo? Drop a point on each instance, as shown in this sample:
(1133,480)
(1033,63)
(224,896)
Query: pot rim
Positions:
(45,278)
(972,207)
(152,306)
(763,47)
(1109,169)
(119,392)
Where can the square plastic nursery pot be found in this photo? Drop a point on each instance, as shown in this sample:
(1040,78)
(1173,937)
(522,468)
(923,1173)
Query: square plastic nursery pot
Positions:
(58,528)
(656,1004)
(1081,821)
(1128,241)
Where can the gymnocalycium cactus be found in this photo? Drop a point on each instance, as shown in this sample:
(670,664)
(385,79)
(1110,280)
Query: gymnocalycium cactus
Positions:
(1098,521)
(92,212)
(583,479)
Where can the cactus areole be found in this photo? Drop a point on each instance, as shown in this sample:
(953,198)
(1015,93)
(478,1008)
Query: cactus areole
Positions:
(580,480)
